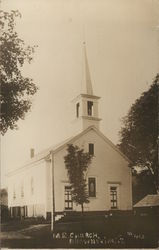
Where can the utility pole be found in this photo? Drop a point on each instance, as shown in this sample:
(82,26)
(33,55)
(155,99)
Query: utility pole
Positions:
(158,163)
(52,192)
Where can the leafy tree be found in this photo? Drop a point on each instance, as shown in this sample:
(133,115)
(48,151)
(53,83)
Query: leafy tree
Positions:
(143,184)
(16,89)
(139,136)
(77,162)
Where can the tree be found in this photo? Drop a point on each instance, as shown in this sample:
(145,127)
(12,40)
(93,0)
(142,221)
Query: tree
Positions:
(16,89)
(139,135)
(77,162)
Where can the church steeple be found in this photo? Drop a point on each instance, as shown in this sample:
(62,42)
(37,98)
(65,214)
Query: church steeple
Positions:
(86,77)
(85,105)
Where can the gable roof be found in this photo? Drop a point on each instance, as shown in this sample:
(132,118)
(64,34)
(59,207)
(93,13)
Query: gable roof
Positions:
(40,156)
(100,134)
(151,200)
(45,153)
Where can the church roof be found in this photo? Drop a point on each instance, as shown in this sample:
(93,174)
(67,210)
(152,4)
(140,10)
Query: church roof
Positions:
(151,200)
(53,149)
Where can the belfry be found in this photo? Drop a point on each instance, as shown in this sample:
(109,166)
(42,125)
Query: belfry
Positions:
(86,103)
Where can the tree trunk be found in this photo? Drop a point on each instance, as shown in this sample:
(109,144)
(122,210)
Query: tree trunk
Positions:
(82,208)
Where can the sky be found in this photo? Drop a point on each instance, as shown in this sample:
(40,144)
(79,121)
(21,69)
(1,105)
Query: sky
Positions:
(122,42)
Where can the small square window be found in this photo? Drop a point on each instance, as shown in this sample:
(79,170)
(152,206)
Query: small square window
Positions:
(91,148)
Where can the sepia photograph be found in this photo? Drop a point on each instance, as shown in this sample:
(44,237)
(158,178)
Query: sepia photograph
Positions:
(79,124)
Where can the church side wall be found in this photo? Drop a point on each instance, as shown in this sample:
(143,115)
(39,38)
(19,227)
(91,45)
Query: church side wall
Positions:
(27,189)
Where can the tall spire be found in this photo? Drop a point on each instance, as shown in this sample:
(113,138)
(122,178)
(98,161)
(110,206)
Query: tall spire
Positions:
(85,105)
(86,78)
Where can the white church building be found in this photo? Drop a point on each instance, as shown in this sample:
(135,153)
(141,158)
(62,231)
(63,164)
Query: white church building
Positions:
(41,187)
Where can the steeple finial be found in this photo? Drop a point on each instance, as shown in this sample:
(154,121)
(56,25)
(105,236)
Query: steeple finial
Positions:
(86,79)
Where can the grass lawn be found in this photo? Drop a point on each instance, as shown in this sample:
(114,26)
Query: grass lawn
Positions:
(83,232)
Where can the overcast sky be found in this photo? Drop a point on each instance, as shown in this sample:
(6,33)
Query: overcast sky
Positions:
(122,40)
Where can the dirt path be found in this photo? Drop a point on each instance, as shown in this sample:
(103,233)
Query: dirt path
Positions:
(26,233)
(13,235)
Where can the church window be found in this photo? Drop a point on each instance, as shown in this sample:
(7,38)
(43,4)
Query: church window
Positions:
(68,198)
(90,108)
(92,187)
(14,194)
(77,109)
(113,197)
(22,190)
(91,148)
(32,185)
